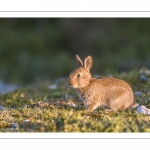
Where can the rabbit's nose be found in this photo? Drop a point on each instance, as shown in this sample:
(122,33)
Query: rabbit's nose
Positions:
(69,82)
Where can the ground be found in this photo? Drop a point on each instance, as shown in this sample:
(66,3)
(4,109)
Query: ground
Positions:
(52,106)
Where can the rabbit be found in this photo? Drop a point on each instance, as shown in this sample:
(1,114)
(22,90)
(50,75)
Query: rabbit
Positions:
(111,93)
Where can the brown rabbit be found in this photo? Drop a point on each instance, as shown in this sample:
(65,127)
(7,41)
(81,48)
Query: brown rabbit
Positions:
(110,93)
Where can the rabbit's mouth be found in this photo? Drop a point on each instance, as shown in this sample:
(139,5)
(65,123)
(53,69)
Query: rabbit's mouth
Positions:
(71,84)
(76,86)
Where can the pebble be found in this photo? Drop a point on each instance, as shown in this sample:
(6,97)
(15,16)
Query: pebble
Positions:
(86,117)
(143,110)
(143,78)
(26,120)
(52,87)
(138,93)
(73,105)
(4,88)
(3,108)
(147,72)
(14,126)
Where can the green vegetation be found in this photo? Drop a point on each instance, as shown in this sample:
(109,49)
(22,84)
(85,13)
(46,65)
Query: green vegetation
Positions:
(37,108)
(33,49)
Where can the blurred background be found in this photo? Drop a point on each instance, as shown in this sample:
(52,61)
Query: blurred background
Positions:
(34,49)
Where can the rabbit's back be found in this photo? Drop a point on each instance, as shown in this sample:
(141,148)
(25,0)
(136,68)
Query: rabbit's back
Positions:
(112,93)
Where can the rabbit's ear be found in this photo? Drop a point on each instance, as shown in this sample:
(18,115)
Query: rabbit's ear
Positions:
(79,61)
(88,63)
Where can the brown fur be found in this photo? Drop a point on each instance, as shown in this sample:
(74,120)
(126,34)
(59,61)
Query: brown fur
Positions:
(112,93)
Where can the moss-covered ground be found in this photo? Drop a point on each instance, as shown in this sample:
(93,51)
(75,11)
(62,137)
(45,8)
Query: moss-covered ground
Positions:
(54,107)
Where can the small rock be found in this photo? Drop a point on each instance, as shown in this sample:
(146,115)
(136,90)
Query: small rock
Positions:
(138,93)
(4,88)
(73,105)
(52,87)
(86,117)
(26,120)
(14,127)
(1,107)
(143,110)
(147,72)
(143,78)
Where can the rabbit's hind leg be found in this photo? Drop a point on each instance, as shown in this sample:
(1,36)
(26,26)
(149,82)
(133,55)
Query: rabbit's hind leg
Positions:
(91,107)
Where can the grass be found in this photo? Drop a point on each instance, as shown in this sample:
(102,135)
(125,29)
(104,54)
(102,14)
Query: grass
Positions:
(37,108)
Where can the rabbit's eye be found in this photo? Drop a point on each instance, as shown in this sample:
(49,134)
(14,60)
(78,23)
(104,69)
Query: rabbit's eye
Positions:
(78,75)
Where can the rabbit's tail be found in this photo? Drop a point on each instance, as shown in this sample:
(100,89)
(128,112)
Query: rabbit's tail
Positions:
(134,105)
